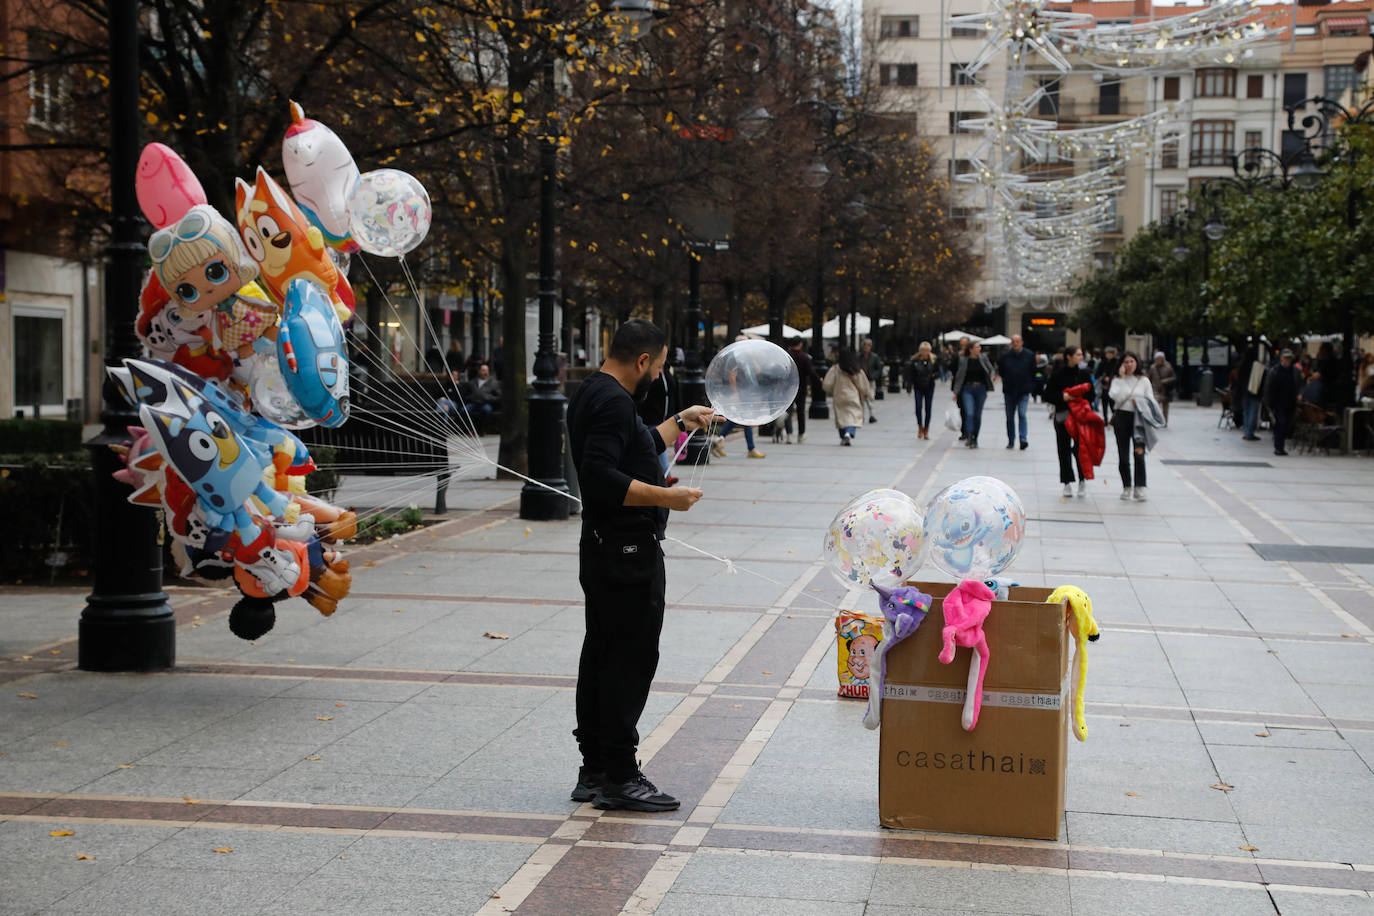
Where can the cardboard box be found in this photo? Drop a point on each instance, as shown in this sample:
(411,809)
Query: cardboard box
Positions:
(857,637)
(1004,778)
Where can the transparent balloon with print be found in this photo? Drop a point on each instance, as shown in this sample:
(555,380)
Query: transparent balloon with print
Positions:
(875,539)
(389,212)
(271,398)
(974,528)
(752,382)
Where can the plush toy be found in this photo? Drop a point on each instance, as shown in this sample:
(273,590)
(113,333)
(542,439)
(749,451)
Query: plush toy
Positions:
(1001,588)
(1085,630)
(965,610)
(904,609)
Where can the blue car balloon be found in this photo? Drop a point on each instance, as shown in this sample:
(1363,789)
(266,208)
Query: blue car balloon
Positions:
(310,349)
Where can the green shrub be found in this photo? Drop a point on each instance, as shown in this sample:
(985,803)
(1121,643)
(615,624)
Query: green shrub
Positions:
(31,437)
(323,481)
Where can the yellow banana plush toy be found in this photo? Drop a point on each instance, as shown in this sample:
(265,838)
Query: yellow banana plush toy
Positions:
(1084,629)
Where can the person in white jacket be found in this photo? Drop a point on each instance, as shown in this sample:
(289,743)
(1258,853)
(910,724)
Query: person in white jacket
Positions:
(1129,392)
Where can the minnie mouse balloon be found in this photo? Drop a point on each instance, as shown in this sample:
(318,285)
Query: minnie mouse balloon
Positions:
(875,540)
(388,213)
(974,528)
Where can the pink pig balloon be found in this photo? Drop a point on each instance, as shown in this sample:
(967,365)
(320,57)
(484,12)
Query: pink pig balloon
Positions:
(165,185)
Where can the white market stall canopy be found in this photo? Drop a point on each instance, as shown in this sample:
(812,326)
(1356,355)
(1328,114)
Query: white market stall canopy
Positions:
(761,330)
(862,325)
(954,336)
(996,340)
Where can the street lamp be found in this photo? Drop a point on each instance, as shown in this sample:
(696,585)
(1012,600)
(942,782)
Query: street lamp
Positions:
(548,498)
(753,124)
(127,624)
(816,175)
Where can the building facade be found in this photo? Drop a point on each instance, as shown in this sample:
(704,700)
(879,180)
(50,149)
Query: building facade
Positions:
(1219,111)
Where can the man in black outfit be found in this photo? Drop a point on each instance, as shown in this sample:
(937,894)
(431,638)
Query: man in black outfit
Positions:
(1281,391)
(806,371)
(624,512)
(1106,371)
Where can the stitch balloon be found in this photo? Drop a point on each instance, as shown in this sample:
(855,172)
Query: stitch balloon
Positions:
(388,212)
(752,382)
(974,528)
(875,540)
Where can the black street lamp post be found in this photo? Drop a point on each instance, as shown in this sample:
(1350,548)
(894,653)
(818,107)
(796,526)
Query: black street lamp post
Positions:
(127,624)
(548,502)
(692,382)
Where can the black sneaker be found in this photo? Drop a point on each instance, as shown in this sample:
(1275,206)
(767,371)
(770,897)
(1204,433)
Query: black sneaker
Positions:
(1024,445)
(636,794)
(589,782)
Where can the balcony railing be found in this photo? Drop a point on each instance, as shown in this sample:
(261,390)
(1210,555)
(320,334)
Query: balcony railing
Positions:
(1203,157)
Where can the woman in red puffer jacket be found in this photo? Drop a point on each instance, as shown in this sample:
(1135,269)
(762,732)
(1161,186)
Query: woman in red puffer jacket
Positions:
(1068,370)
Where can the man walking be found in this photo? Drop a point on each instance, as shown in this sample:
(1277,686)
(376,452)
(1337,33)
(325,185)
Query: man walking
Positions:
(1108,369)
(806,372)
(872,365)
(620,564)
(1163,380)
(1017,369)
(1281,390)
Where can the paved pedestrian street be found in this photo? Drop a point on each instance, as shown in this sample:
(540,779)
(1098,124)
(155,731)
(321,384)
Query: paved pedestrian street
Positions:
(412,754)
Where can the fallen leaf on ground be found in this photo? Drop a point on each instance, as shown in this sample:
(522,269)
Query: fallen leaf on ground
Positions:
(29,696)
(1133,794)
(1222,786)
(767,672)
(338,704)
(54,651)
(223,849)
(290,659)
(26,658)
(314,758)
(81,856)
(399,610)
(1261,734)
(61,833)
(324,718)
(125,766)
(1250,848)
(527,531)
(189,800)
(426,565)
(496,636)
(370,563)
(1123,725)
(1349,636)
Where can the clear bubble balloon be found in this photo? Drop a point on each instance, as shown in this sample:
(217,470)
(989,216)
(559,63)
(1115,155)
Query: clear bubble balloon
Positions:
(752,382)
(389,213)
(875,539)
(271,397)
(974,528)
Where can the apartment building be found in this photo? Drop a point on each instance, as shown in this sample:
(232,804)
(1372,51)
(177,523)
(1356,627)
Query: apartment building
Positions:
(1219,111)
(50,307)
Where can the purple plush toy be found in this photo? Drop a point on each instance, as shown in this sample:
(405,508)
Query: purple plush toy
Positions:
(903,609)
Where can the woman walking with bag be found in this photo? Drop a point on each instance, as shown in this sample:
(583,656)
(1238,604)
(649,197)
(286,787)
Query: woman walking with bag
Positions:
(848,388)
(1066,373)
(922,373)
(1134,397)
(972,382)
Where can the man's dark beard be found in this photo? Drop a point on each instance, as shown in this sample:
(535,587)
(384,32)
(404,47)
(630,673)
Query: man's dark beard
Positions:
(641,391)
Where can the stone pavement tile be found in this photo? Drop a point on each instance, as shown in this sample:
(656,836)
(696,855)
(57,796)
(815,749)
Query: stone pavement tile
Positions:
(1127,660)
(778,651)
(1102,695)
(481,695)
(736,902)
(40,869)
(1363,744)
(46,775)
(1350,661)
(212,749)
(1295,787)
(1298,903)
(882,909)
(269,851)
(130,889)
(299,721)
(823,735)
(327,782)
(426,858)
(343,689)
(1271,617)
(175,782)
(1093,895)
(1339,701)
(379,895)
(1284,699)
(107,742)
(1165,794)
(512,791)
(963,889)
(1248,733)
(787,796)
(1217,838)
(421,740)
(777,876)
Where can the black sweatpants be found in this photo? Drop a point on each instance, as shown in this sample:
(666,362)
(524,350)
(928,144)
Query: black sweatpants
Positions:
(623,581)
(800,405)
(1123,424)
(1068,451)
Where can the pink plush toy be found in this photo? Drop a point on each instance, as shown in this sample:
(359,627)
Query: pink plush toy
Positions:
(965,610)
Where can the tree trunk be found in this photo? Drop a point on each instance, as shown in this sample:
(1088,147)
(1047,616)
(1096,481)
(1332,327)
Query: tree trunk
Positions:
(734,300)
